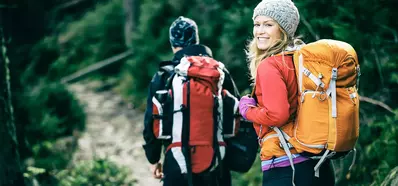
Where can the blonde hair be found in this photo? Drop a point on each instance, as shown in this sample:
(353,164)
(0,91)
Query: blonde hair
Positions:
(255,55)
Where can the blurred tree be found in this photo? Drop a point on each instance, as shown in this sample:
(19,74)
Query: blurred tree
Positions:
(10,169)
(131,12)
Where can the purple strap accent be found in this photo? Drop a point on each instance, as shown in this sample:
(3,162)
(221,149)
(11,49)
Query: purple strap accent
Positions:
(281,162)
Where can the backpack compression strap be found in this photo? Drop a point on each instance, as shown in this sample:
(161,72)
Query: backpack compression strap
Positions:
(282,139)
(186,150)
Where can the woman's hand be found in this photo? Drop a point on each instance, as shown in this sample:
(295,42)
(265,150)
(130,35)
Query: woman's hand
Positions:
(157,170)
(244,104)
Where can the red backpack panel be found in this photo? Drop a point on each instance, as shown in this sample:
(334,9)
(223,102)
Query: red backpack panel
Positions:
(196,113)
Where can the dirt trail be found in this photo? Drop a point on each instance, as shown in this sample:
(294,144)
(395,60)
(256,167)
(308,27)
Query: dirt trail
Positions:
(113,130)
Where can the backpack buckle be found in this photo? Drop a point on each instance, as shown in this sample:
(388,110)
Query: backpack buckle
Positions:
(290,146)
(334,73)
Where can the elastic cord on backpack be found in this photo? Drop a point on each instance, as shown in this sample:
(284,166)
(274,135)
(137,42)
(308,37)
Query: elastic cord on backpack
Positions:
(353,159)
(358,76)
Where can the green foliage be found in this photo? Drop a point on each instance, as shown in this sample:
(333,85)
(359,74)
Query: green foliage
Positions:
(50,112)
(98,35)
(378,153)
(150,46)
(33,171)
(32,175)
(43,54)
(57,112)
(94,37)
(392,178)
(47,111)
(95,172)
(232,52)
(47,155)
(251,178)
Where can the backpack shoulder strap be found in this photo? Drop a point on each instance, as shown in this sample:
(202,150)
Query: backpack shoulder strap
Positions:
(166,66)
(164,73)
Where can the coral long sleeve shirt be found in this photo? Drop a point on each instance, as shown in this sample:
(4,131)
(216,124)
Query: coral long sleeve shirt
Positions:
(276,92)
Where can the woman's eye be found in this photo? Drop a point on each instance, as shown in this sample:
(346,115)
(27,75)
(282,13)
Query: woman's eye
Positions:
(256,25)
(268,25)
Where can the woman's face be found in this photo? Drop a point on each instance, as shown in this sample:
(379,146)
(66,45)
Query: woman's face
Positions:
(266,32)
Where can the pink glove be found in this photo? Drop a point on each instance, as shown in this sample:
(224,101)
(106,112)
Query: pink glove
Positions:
(244,104)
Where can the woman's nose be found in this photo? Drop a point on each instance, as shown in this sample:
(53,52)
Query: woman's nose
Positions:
(261,29)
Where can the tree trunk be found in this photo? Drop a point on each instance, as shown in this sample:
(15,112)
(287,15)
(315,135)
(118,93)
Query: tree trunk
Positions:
(10,168)
(131,13)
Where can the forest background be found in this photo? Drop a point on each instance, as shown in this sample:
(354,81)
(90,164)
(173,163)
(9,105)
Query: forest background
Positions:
(47,40)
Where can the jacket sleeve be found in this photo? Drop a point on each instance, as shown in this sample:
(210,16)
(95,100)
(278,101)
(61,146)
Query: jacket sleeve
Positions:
(275,108)
(152,146)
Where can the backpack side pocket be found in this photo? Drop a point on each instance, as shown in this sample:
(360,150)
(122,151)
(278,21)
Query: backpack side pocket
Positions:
(162,126)
(231,117)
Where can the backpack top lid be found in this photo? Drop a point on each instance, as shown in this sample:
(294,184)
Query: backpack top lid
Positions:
(321,56)
(332,52)
(204,68)
(201,66)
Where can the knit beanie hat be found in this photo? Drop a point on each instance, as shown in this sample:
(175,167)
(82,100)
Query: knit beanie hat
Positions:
(284,12)
(183,32)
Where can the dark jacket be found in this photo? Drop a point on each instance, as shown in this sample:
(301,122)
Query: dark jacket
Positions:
(152,145)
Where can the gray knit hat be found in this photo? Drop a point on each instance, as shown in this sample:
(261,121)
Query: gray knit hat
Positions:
(183,32)
(284,12)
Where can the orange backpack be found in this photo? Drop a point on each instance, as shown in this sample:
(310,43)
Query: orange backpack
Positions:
(327,119)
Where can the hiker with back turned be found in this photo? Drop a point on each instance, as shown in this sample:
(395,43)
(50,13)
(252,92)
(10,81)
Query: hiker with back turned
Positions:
(192,107)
